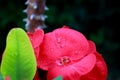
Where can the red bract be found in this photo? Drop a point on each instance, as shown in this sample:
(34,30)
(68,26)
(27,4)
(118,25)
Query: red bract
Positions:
(99,72)
(67,53)
(7,78)
(36,39)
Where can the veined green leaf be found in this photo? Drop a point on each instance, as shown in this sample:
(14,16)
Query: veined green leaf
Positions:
(18,60)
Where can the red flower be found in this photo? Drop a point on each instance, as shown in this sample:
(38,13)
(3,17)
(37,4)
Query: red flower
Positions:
(67,53)
(99,72)
(36,39)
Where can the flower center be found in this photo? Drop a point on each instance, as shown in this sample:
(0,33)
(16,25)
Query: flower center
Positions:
(63,60)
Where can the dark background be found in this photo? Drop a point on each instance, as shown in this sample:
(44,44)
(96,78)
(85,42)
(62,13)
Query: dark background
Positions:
(98,20)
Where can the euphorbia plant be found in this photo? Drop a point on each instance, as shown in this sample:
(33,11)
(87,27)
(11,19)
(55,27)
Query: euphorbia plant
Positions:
(65,53)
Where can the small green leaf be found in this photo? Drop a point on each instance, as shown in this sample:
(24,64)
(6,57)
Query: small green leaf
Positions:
(18,60)
(1,77)
(58,78)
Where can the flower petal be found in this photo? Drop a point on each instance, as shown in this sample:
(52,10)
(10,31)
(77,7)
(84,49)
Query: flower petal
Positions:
(72,71)
(66,72)
(49,52)
(99,72)
(38,38)
(30,35)
(62,42)
(65,26)
(7,78)
(37,50)
(92,47)
(85,65)
(71,42)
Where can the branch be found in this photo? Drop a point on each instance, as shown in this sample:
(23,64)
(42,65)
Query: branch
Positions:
(35,14)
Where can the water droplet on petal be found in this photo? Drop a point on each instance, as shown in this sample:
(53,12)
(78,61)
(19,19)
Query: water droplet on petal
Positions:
(62,45)
(58,40)
(61,42)
(77,52)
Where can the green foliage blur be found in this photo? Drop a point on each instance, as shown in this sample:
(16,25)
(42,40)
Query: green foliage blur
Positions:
(98,20)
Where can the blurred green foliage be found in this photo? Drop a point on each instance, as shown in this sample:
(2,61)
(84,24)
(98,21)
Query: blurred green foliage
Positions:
(98,20)
(58,78)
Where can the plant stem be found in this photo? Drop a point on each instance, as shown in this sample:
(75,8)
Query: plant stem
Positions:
(35,14)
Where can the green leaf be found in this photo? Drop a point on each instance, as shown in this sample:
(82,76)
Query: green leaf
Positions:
(58,78)
(18,60)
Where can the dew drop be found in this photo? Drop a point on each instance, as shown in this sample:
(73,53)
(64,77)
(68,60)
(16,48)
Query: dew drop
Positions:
(61,42)
(77,52)
(62,45)
(58,40)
